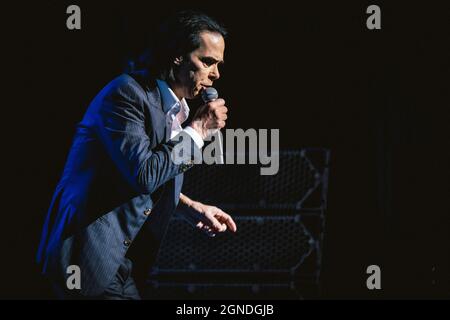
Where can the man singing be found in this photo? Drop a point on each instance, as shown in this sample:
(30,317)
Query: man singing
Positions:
(120,184)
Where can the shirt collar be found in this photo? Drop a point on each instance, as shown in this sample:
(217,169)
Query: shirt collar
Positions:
(169,99)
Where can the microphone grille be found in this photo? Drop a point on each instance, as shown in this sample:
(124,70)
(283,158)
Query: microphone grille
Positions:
(209,94)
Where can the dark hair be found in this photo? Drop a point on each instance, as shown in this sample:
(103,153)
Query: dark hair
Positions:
(177,37)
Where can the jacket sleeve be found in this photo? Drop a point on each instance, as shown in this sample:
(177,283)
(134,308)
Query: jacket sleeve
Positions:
(120,126)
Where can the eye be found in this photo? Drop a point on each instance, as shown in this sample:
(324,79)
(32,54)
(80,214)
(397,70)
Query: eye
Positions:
(208,62)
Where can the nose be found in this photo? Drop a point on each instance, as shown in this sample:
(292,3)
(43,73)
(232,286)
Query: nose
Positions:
(215,74)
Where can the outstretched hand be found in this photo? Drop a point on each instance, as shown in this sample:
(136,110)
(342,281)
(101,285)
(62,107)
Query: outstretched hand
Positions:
(213,219)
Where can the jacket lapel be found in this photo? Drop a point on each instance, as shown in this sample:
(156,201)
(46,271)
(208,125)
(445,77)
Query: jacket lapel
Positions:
(158,117)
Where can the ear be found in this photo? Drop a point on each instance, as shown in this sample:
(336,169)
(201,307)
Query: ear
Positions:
(178,60)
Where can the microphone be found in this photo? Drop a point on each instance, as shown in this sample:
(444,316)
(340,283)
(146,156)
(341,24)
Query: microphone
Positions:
(210,94)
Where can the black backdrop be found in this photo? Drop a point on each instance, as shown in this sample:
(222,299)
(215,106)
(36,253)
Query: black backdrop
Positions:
(377,99)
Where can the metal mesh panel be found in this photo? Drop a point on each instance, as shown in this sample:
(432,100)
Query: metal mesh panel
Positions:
(280,222)
(243,186)
(274,243)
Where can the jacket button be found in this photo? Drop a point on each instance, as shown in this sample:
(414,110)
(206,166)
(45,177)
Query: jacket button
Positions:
(147,211)
(127,242)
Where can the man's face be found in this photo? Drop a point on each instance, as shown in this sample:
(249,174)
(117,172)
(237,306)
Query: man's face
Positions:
(201,67)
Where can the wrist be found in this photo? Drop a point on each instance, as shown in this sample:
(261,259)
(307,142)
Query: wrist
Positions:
(198,127)
(195,205)
(190,203)
(186,201)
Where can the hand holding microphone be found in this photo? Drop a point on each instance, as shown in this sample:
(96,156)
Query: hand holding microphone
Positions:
(210,117)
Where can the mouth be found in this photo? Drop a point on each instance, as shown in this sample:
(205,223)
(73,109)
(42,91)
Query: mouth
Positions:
(201,88)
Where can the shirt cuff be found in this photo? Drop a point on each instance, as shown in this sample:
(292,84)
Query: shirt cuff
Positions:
(195,136)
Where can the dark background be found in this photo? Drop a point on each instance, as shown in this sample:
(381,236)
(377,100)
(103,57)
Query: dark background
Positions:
(377,99)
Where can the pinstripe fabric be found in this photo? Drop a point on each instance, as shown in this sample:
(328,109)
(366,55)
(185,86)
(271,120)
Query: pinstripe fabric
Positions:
(117,168)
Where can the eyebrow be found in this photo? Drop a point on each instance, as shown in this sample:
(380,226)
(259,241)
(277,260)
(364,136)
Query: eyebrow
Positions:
(214,59)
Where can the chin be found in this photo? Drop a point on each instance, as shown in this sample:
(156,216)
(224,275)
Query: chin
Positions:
(195,93)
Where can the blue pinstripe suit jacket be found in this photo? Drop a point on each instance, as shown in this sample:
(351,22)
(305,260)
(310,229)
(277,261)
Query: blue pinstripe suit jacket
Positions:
(118,169)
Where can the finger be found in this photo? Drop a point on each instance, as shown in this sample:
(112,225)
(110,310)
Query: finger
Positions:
(216,225)
(220,124)
(216,103)
(223,227)
(214,106)
(211,222)
(221,116)
(220,113)
(221,110)
(228,221)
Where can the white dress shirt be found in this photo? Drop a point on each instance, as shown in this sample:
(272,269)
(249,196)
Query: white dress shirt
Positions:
(177,111)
